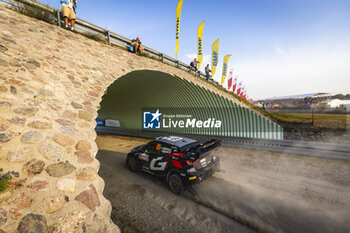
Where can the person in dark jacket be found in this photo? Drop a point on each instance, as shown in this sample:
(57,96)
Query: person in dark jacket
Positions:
(207,71)
(193,65)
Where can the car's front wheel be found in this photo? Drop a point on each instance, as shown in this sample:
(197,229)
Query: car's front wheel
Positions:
(133,164)
(175,184)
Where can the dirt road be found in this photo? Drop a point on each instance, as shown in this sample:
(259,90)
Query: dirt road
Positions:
(256,192)
(142,203)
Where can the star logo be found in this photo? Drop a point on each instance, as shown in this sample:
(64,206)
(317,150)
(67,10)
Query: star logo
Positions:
(151,120)
(156,115)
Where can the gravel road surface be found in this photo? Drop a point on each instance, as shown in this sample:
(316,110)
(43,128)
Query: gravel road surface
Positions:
(255,192)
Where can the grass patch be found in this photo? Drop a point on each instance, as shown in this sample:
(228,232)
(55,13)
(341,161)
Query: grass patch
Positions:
(293,117)
(34,12)
(321,120)
(95,37)
(119,47)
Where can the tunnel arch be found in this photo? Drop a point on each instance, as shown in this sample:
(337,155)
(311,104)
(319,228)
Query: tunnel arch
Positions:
(129,96)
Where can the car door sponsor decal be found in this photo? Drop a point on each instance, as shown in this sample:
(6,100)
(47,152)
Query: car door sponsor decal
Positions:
(144,157)
(203,162)
(158,166)
(172,138)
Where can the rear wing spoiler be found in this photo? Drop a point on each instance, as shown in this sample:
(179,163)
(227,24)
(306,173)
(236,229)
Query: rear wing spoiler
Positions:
(208,146)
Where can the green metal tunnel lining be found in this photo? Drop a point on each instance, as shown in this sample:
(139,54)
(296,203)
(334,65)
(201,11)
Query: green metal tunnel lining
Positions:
(128,96)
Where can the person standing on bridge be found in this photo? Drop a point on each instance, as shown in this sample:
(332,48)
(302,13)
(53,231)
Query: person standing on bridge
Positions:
(68,12)
(207,71)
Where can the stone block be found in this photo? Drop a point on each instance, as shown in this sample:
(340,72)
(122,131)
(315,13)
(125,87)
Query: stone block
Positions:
(87,174)
(18,121)
(31,137)
(71,223)
(18,155)
(4,137)
(26,111)
(55,203)
(85,115)
(33,167)
(89,198)
(83,145)
(40,125)
(84,156)
(60,169)
(52,152)
(32,223)
(63,139)
(66,185)
(37,185)
(76,105)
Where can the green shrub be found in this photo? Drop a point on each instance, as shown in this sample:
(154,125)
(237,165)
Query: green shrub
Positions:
(96,37)
(34,12)
(4,182)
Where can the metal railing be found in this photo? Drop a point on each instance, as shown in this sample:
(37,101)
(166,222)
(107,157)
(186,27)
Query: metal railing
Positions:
(111,37)
(314,149)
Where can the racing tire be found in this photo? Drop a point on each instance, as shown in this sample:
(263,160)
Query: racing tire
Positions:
(133,164)
(175,184)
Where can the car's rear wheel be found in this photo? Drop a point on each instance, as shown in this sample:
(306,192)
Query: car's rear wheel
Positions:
(175,184)
(133,164)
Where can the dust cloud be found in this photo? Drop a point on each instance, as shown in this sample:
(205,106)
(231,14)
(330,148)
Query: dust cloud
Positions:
(276,192)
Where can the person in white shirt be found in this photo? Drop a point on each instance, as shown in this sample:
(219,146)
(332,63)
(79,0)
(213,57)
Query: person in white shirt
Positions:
(68,12)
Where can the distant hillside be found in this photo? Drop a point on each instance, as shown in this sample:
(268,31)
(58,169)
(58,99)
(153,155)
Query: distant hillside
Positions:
(341,97)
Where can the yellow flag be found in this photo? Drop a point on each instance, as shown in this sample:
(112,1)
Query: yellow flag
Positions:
(178,16)
(224,68)
(200,44)
(214,57)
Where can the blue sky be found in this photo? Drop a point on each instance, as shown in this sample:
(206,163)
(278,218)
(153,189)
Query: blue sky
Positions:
(278,47)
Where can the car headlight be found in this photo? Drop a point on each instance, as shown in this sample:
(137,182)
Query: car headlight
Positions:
(191,170)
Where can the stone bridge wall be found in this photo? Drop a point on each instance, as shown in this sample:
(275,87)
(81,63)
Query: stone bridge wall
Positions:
(51,84)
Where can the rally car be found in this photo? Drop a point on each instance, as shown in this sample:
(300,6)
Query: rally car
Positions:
(180,161)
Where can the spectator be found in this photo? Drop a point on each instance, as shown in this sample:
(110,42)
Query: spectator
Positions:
(136,46)
(207,71)
(68,12)
(193,65)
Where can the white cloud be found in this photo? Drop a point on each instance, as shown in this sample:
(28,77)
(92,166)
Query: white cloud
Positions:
(298,70)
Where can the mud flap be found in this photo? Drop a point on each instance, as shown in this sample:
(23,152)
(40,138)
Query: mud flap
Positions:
(190,189)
